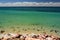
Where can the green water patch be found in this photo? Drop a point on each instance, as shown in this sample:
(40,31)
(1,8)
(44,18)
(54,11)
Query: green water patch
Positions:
(36,19)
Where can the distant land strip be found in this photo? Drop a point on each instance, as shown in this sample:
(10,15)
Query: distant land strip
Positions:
(35,4)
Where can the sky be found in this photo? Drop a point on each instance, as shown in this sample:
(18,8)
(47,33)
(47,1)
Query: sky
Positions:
(29,0)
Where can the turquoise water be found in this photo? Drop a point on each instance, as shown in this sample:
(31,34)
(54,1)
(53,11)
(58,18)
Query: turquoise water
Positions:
(16,16)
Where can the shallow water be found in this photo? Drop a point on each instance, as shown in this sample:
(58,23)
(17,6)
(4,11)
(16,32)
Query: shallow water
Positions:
(21,18)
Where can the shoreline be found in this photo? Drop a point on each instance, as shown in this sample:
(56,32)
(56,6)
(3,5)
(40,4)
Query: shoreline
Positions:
(28,29)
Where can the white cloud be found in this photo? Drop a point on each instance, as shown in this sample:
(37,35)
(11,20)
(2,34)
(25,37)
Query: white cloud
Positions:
(31,4)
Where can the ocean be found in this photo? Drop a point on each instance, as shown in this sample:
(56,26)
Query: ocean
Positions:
(30,19)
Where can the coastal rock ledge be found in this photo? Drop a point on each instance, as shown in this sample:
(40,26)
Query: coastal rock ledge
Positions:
(16,36)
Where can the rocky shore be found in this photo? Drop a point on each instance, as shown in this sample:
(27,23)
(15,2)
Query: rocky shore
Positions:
(32,36)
